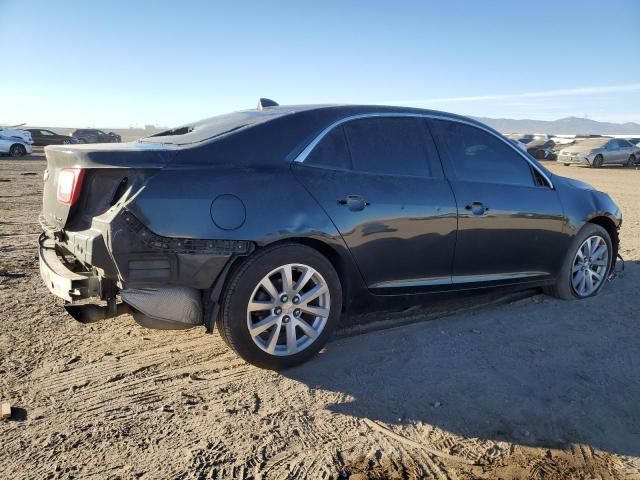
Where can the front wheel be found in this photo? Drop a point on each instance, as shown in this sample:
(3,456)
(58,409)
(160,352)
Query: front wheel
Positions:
(631,160)
(17,150)
(598,161)
(280,306)
(586,266)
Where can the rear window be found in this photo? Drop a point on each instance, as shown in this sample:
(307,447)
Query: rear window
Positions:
(213,127)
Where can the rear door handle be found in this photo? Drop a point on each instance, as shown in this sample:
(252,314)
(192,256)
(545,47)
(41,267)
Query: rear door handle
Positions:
(354,202)
(477,208)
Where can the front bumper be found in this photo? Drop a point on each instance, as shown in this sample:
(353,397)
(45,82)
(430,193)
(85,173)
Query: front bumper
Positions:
(574,159)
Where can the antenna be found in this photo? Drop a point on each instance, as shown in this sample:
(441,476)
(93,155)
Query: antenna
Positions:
(265,103)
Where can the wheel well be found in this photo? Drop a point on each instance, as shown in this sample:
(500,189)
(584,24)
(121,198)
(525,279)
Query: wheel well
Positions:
(610,227)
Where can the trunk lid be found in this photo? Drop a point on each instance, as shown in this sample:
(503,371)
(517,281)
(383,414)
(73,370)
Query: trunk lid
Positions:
(105,166)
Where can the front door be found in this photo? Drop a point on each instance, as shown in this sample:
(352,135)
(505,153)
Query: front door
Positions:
(510,220)
(382,185)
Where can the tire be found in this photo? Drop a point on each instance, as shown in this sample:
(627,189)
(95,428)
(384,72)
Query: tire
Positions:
(82,140)
(630,161)
(566,164)
(597,162)
(263,349)
(66,142)
(564,287)
(17,150)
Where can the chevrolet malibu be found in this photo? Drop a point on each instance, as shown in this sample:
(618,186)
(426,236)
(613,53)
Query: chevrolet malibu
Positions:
(269,224)
(596,152)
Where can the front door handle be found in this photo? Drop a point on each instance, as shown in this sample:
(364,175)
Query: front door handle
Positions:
(477,208)
(354,202)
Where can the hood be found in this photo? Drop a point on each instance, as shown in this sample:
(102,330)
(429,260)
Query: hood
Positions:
(573,183)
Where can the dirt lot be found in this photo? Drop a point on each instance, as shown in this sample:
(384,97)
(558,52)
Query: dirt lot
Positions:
(538,388)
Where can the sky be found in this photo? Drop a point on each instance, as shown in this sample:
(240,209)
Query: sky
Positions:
(131,63)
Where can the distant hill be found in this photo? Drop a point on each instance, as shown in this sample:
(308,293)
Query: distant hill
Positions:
(564,126)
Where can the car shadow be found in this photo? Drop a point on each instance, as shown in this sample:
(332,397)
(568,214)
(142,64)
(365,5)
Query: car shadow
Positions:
(540,372)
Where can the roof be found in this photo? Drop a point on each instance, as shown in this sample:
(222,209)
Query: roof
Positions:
(320,115)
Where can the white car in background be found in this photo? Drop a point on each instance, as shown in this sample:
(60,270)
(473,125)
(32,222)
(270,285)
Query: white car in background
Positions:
(14,146)
(16,133)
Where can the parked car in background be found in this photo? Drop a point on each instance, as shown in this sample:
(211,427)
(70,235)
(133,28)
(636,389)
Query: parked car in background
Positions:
(14,132)
(42,137)
(16,147)
(541,148)
(93,135)
(360,205)
(518,144)
(599,151)
(537,145)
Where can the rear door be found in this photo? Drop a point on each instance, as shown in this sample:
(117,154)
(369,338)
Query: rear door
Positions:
(381,183)
(510,220)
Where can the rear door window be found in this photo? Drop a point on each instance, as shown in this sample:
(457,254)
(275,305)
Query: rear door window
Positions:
(478,156)
(389,146)
(331,152)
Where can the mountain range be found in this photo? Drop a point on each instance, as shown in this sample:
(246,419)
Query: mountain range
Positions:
(564,126)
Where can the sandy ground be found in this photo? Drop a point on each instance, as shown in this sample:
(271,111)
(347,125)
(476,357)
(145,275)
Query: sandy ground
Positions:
(538,388)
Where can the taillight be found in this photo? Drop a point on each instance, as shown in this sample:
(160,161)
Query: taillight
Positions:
(69,185)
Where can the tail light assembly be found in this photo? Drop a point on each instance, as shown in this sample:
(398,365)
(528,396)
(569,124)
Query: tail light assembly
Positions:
(70,185)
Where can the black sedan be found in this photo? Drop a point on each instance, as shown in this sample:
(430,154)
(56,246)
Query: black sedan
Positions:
(42,138)
(93,135)
(272,223)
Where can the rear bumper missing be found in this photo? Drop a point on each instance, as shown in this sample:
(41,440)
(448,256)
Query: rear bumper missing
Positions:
(65,280)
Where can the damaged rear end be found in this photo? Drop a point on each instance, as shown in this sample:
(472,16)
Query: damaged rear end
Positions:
(100,257)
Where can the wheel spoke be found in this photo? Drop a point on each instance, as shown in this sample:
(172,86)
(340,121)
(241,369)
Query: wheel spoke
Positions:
(314,293)
(308,330)
(269,287)
(600,263)
(589,279)
(291,337)
(287,277)
(273,338)
(577,267)
(596,275)
(599,253)
(259,327)
(259,305)
(316,311)
(578,280)
(303,280)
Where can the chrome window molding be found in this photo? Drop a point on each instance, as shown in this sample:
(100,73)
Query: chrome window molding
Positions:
(307,150)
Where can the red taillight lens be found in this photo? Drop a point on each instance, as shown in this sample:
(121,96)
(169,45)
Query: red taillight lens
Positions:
(69,185)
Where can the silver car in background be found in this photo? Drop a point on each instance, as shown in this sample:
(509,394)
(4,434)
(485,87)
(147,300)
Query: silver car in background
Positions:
(595,152)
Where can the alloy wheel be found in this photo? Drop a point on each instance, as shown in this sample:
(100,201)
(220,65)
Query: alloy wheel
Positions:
(288,309)
(590,266)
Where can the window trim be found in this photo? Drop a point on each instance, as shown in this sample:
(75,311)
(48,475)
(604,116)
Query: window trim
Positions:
(307,150)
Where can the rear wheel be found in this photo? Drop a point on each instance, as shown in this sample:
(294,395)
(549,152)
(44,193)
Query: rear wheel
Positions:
(280,306)
(597,162)
(586,265)
(17,150)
